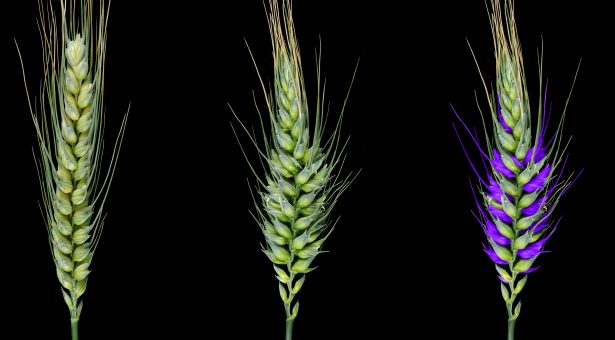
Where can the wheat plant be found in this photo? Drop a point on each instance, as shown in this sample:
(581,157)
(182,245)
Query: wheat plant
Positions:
(302,182)
(524,166)
(69,123)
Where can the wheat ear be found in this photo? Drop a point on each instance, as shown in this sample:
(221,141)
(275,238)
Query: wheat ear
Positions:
(69,126)
(525,180)
(302,185)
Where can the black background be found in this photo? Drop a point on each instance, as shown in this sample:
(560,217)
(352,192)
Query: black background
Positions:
(180,256)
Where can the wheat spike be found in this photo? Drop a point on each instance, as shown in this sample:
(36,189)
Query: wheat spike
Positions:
(524,181)
(302,183)
(69,125)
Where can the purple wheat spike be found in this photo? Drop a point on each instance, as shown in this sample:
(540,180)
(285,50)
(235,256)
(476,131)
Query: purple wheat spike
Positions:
(523,181)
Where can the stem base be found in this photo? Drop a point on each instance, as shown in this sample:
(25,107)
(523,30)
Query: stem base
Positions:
(511,329)
(289,329)
(74,328)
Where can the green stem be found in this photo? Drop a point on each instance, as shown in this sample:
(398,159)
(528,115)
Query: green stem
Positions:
(289,328)
(510,303)
(511,329)
(511,285)
(74,325)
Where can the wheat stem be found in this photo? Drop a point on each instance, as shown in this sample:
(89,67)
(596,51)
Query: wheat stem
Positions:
(289,328)
(511,328)
(74,328)
(512,318)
